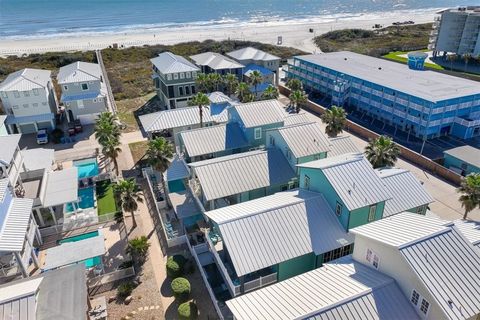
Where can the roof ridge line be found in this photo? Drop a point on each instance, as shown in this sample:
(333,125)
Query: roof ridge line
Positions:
(239,156)
(429,236)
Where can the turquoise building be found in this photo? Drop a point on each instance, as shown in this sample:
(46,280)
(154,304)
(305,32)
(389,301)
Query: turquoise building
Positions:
(463,160)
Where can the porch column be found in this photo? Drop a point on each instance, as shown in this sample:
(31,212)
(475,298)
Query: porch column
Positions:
(32,254)
(38,213)
(38,236)
(36,126)
(53,215)
(52,123)
(21,265)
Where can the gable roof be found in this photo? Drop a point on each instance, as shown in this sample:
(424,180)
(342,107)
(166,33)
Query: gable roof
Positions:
(353,178)
(296,118)
(216,61)
(341,289)
(167,62)
(79,72)
(259,113)
(269,230)
(406,191)
(12,233)
(213,139)
(9,145)
(219,97)
(467,154)
(249,68)
(175,118)
(250,53)
(341,145)
(26,80)
(178,169)
(470,229)
(304,139)
(233,174)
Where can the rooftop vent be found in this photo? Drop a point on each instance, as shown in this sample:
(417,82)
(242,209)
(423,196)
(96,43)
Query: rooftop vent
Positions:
(379,68)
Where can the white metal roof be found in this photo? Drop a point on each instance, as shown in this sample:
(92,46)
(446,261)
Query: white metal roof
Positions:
(258,239)
(216,61)
(9,145)
(15,225)
(74,252)
(178,169)
(353,178)
(219,97)
(26,80)
(184,204)
(213,139)
(342,289)
(341,145)
(448,266)
(429,85)
(175,118)
(304,139)
(259,113)
(3,188)
(250,53)
(406,191)
(467,154)
(234,174)
(470,229)
(19,290)
(36,159)
(61,187)
(296,118)
(79,72)
(18,300)
(167,62)
(401,229)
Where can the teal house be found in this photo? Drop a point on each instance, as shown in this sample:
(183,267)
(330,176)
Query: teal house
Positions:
(463,160)
(352,188)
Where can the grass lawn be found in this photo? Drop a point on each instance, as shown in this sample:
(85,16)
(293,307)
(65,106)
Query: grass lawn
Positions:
(126,107)
(396,56)
(138,150)
(105,198)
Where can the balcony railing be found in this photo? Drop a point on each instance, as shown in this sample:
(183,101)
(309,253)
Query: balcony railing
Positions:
(260,282)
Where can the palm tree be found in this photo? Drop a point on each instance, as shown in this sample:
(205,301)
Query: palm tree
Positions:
(466,58)
(231,83)
(470,193)
(201,100)
(138,247)
(159,153)
(111,150)
(382,152)
(270,93)
(451,58)
(214,80)
(255,79)
(297,97)
(335,119)
(243,91)
(129,195)
(294,84)
(202,82)
(106,128)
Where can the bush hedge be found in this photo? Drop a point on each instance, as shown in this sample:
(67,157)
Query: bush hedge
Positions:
(187,310)
(181,288)
(125,289)
(175,265)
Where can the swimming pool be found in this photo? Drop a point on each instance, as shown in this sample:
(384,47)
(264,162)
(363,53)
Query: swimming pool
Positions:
(86,168)
(86,199)
(89,263)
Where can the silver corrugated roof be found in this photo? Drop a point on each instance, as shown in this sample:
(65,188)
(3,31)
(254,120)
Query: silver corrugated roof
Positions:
(448,266)
(216,61)
(167,62)
(296,118)
(467,154)
(12,234)
(342,289)
(230,175)
(178,169)
(175,118)
(26,80)
(183,204)
(219,97)
(61,187)
(3,188)
(353,178)
(341,145)
(213,139)
(250,53)
(259,113)
(9,145)
(406,191)
(36,159)
(304,139)
(470,229)
(265,237)
(401,229)
(79,72)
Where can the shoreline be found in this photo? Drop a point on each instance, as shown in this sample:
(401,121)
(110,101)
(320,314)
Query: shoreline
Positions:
(293,34)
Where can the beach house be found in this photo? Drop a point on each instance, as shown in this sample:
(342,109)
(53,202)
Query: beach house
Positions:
(251,57)
(397,271)
(84,92)
(29,101)
(463,160)
(174,79)
(212,62)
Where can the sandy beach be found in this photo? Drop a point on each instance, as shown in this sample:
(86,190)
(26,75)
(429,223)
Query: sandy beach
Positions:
(293,34)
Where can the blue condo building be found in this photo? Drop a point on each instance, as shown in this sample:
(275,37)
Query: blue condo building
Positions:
(426,104)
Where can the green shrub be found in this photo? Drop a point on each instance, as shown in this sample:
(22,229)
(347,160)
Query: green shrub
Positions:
(125,289)
(187,310)
(138,247)
(126,264)
(175,265)
(181,288)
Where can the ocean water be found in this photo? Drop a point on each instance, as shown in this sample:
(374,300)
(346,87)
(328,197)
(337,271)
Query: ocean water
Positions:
(50,18)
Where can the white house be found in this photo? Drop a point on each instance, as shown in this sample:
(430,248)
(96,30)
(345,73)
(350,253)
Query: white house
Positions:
(84,93)
(29,100)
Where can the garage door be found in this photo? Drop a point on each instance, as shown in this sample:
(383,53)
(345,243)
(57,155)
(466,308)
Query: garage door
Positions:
(27,128)
(87,118)
(44,125)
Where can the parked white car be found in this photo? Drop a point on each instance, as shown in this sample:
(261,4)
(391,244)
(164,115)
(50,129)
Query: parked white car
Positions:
(42,136)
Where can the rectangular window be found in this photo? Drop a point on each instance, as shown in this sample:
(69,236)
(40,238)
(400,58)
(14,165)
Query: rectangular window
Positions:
(424,307)
(94,100)
(25,105)
(372,258)
(44,103)
(306,182)
(84,86)
(14,107)
(175,76)
(257,133)
(371,213)
(187,90)
(169,77)
(193,89)
(272,141)
(338,209)
(35,105)
(316,157)
(415,297)
(182,75)
(65,88)
(180,91)
(420,209)
(188,75)
(16,94)
(26,93)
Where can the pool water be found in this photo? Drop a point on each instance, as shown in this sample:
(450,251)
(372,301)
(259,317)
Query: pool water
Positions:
(86,199)
(86,168)
(176,186)
(89,263)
